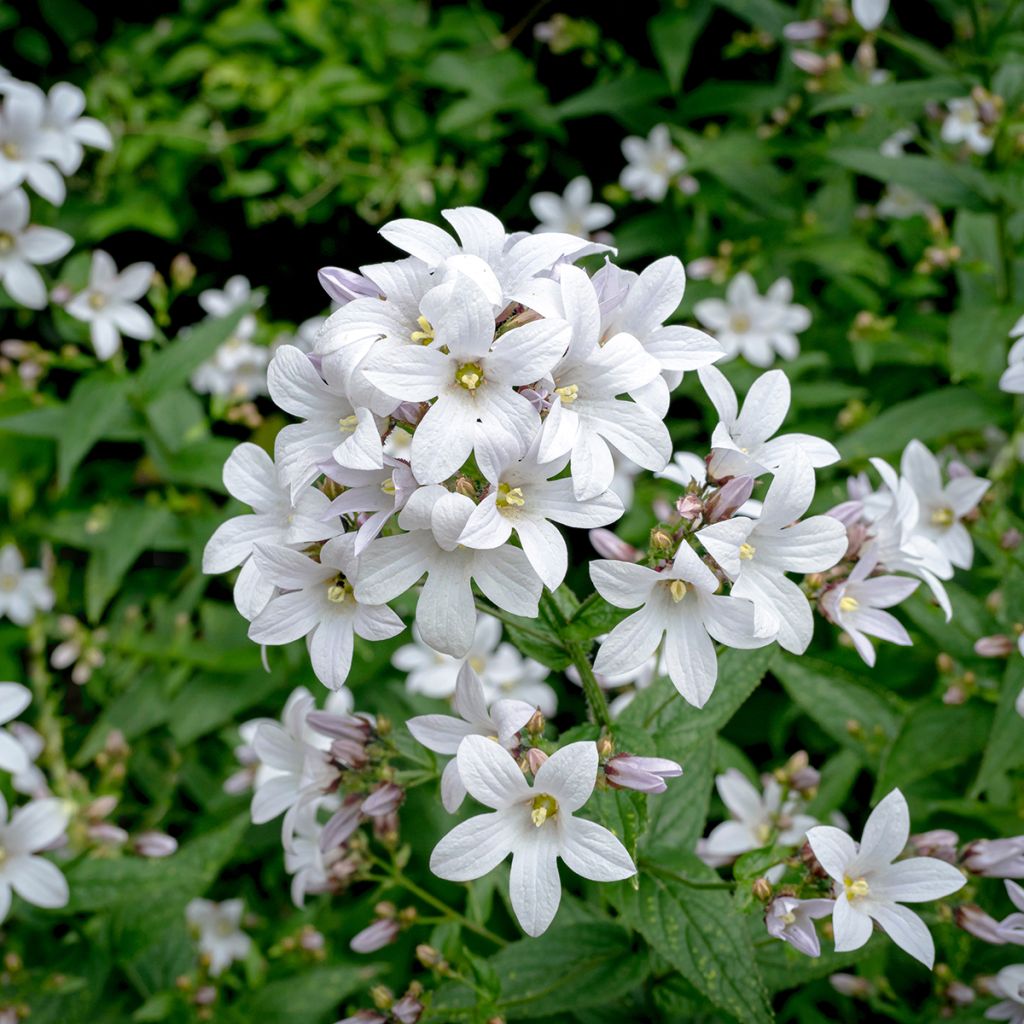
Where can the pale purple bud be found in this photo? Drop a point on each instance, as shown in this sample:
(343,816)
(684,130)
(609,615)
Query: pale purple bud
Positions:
(155,844)
(644,774)
(960,994)
(65,655)
(701,268)
(410,412)
(539,398)
(805,31)
(810,62)
(81,673)
(407,1010)
(940,843)
(349,752)
(996,858)
(340,727)
(728,498)
(109,835)
(101,807)
(976,922)
(996,646)
(364,1017)
(851,985)
(383,801)
(375,936)
(341,824)
(688,184)
(311,940)
(535,757)
(239,782)
(345,285)
(205,995)
(1011,539)
(847,512)
(956,468)
(385,826)
(803,780)
(15,348)
(609,545)
(689,506)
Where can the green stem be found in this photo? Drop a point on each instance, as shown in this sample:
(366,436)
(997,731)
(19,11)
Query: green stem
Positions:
(511,620)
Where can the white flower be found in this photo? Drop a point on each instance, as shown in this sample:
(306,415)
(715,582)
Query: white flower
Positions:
(572,212)
(473,376)
(895,145)
(237,292)
(1012,379)
(27,150)
(23,591)
(755,819)
(318,602)
(523,499)
(443,733)
(1008,983)
(14,698)
(30,780)
(383,492)
(332,428)
(792,921)
(651,164)
(963,124)
(942,507)
(536,825)
(502,670)
(900,203)
(855,606)
(33,826)
(757,553)
(870,13)
(742,443)
(238,369)
(217,931)
(680,604)
(752,325)
(22,247)
(109,304)
(251,476)
(870,887)
(445,612)
(68,130)
(303,858)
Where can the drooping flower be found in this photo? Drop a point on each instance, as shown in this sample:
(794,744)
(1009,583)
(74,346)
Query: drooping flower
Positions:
(996,858)
(651,164)
(871,885)
(109,304)
(752,325)
(963,124)
(317,601)
(757,553)
(23,592)
(443,733)
(573,212)
(535,824)
(217,930)
(792,920)
(23,247)
(33,827)
(14,698)
(679,603)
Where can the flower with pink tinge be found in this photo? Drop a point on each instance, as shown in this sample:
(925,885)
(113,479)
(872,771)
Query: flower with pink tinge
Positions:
(443,734)
(792,920)
(996,858)
(644,774)
(535,824)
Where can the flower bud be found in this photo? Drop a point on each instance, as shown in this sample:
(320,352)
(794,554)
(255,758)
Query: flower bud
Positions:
(661,541)
(810,62)
(342,727)
(690,507)
(535,726)
(183,271)
(535,757)
(101,807)
(939,842)
(109,835)
(805,31)
(608,545)
(341,824)
(155,844)
(466,487)
(605,747)
(375,936)
(996,858)
(644,774)
(960,994)
(851,985)
(343,286)
(762,890)
(996,646)
(384,800)
(728,498)
(1011,539)
(407,1010)
(430,957)
(976,922)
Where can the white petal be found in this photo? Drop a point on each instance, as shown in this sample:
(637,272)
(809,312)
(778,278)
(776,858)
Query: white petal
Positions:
(453,792)
(534,887)
(490,773)
(852,926)
(833,848)
(623,584)
(630,643)
(440,733)
(330,650)
(475,847)
(286,617)
(592,851)
(14,698)
(906,929)
(569,775)
(35,826)
(37,881)
(885,833)
(446,613)
(917,880)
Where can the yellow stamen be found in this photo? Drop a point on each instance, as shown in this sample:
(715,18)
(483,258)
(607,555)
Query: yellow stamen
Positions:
(11,150)
(677,588)
(339,591)
(855,888)
(6,241)
(569,393)
(347,424)
(747,552)
(470,376)
(425,335)
(763,833)
(740,323)
(97,300)
(943,517)
(509,497)
(789,918)
(388,486)
(544,806)
(848,604)
(8,583)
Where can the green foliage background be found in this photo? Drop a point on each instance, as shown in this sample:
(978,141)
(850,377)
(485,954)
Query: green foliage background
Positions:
(270,139)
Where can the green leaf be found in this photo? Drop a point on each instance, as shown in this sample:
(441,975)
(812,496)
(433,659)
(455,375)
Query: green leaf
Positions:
(769,15)
(311,996)
(929,417)
(700,933)
(672,35)
(616,96)
(1005,749)
(177,418)
(902,97)
(677,816)
(975,333)
(594,617)
(96,403)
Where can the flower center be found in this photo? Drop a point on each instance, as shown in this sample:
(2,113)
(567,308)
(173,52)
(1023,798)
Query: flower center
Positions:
(8,583)
(789,918)
(569,393)
(943,517)
(388,486)
(11,150)
(966,115)
(347,424)
(470,376)
(544,806)
(678,589)
(339,591)
(747,552)
(477,664)
(97,300)
(425,335)
(509,497)
(856,888)
(740,323)
(6,241)
(848,604)
(763,833)
(224,928)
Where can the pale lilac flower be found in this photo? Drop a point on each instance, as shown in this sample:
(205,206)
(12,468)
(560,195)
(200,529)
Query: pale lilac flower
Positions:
(33,827)
(238,369)
(963,124)
(644,774)
(109,304)
(535,824)
(218,935)
(22,247)
(443,733)
(651,164)
(996,858)
(573,212)
(792,920)
(1009,984)
(870,887)
(155,844)
(375,936)
(23,592)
